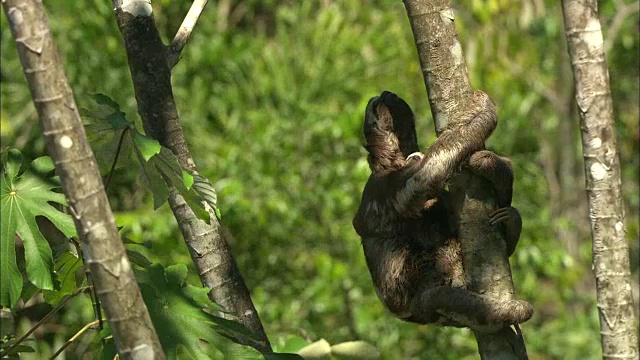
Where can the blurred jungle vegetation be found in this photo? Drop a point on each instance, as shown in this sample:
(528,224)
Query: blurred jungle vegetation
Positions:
(271,95)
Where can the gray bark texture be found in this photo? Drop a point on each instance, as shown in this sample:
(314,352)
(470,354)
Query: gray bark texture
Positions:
(485,260)
(207,243)
(76,165)
(618,327)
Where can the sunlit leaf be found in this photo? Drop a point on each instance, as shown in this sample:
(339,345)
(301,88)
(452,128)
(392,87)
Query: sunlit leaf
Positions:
(23,197)
(147,146)
(152,178)
(206,191)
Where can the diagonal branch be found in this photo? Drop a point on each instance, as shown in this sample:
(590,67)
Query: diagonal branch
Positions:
(622,12)
(184,33)
(207,242)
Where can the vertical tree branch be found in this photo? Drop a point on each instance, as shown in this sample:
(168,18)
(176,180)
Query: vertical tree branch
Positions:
(618,328)
(441,59)
(484,252)
(76,165)
(207,243)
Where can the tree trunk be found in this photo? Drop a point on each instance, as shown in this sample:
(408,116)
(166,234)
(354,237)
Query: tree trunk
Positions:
(618,331)
(485,259)
(76,165)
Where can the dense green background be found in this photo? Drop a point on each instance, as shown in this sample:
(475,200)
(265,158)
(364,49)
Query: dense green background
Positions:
(272,94)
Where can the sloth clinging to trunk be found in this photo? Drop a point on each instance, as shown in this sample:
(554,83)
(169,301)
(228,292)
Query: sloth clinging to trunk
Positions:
(408,231)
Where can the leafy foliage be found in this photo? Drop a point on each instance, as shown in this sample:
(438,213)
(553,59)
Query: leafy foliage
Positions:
(108,128)
(183,315)
(69,271)
(24,195)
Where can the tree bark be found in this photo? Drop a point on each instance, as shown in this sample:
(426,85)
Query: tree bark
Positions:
(207,243)
(76,165)
(485,258)
(618,327)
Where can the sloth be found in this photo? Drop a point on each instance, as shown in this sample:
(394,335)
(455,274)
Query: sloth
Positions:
(405,218)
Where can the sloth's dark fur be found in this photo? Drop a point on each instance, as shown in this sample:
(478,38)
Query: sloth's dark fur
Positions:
(405,221)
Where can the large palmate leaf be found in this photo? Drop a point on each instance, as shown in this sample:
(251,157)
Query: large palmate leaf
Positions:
(182,313)
(107,127)
(111,133)
(24,196)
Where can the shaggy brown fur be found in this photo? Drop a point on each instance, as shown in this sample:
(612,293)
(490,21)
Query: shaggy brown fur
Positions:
(405,221)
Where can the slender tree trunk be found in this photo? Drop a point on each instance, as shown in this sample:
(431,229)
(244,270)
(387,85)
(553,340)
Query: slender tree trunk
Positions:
(151,73)
(447,80)
(618,332)
(76,165)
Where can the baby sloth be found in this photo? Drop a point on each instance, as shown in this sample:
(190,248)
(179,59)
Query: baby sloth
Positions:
(408,231)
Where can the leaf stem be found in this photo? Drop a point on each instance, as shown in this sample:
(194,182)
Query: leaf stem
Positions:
(115,159)
(45,318)
(75,337)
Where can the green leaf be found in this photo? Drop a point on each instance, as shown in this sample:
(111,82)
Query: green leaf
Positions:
(294,344)
(138,258)
(195,203)
(177,317)
(163,168)
(103,108)
(10,278)
(177,311)
(28,291)
(107,347)
(103,99)
(67,266)
(104,141)
(206,191)
(167,164)
(152,178)
(118,121)
(15,352)
(13,162)
(187,179)
(23,197)
(106,128)
(176,274)
(144,243)
(147,146)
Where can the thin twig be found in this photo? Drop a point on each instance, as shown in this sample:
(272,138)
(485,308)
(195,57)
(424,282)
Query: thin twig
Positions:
(45,318)
(184,33)
(75,337)
(95,302)
(623,11)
